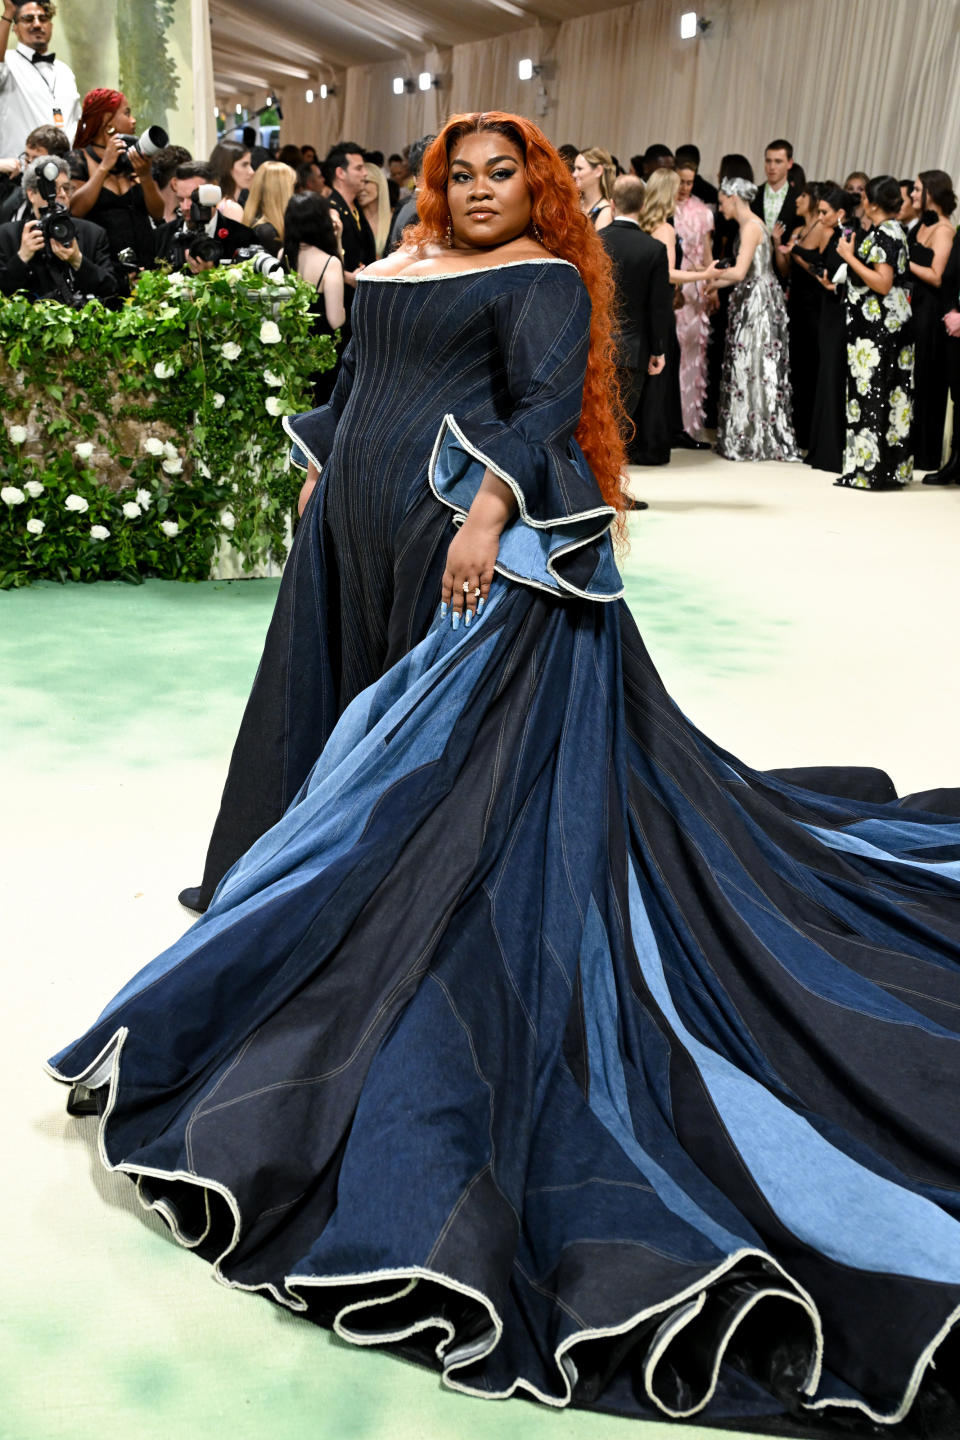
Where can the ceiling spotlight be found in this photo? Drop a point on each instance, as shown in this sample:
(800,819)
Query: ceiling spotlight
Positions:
(323,92)
(239,109)
(426,80)
(398,86)
(525,69)
(688,25)
(309,97)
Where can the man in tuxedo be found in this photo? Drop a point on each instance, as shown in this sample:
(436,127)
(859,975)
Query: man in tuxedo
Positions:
(48,269)
(775,201)
(229,234)
(35,87)
(644,295)
(345,173)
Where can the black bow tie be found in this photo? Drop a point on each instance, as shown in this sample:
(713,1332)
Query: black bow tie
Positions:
(38,58)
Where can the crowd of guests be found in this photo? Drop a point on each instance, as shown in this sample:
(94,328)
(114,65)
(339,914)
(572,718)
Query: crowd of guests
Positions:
(796,318)
(810,320)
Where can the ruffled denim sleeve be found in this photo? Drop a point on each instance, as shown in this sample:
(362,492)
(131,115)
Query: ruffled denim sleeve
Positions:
(559,539)
(312,431)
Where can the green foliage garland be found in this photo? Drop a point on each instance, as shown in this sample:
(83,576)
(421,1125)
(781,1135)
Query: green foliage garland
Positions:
(159,423)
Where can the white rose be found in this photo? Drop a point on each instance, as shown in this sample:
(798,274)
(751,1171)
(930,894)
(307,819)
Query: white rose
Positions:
(170,450)
(143,499)
(131,510)
(227,520)
(162,370)
(77,503)
(270,333)
(35,527)
(219,400)
(172,467)
(234,275)
(274,405)
(231,350)
(34,489)
(84,449)
(17,433)
(153,446)
(11,495)
(99,532)
(170,527)
(277,277)
(271,379)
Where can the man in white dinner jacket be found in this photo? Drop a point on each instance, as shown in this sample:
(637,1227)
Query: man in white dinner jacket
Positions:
(35,87)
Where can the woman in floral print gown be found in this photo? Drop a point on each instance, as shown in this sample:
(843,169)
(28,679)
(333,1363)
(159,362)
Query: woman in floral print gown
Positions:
(878,454)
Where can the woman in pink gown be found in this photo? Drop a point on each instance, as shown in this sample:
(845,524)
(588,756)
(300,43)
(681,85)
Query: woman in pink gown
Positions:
(694,225)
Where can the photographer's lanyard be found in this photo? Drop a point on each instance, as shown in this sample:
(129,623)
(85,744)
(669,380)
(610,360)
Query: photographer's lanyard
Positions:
(41,68)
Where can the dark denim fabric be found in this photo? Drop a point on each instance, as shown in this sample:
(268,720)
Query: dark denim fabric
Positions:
(540,1038)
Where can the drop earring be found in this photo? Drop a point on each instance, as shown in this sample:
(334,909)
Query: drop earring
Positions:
(449,232)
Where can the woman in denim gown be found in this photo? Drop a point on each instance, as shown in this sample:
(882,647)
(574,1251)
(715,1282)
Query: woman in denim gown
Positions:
(537,1038)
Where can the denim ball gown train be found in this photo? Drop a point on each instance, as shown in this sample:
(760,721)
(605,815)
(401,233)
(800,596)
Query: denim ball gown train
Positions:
(528,1032)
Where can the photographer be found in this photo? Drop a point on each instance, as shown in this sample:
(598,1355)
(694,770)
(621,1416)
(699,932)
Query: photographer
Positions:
(199,236)
(118,192)
(33,258)
(44,140)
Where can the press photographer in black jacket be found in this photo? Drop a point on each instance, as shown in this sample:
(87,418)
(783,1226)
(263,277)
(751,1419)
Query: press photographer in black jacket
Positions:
(33,259)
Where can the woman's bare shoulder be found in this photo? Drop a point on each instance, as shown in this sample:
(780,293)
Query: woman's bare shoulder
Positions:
(400,260)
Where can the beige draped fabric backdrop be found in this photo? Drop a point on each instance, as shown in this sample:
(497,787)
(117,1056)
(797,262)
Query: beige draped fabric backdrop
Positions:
(855,84)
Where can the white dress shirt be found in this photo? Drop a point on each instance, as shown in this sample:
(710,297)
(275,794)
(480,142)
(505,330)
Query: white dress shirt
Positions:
(32,95)
(773,201)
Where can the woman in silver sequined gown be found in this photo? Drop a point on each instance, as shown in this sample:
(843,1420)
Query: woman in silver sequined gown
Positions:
(755,412)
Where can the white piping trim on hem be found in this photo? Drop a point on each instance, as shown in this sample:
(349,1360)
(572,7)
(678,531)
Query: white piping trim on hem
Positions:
(302,444)
(449,423)
(112,1052)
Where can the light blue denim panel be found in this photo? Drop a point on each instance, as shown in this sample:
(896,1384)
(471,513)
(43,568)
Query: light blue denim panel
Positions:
(826,1199)
(854,844)
(898,834)
(347,782)
(608,1086)
(527,550)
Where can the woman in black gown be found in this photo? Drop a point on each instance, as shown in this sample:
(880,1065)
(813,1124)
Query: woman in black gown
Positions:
(798,261)
(828,418)
(311,249)
(930,246)
(117,190)
(540,1039)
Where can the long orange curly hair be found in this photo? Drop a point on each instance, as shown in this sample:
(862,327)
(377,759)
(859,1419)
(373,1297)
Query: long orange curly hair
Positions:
(565,231)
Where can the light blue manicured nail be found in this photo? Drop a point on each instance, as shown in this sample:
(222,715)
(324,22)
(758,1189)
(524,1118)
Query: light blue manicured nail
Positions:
(456,619)
(480,604)
(466,618)
(444,607)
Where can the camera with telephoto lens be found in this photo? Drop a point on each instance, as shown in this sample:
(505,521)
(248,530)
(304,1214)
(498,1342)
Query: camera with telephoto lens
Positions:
(150,143)
(196,212)
(55,221)
(263,262)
